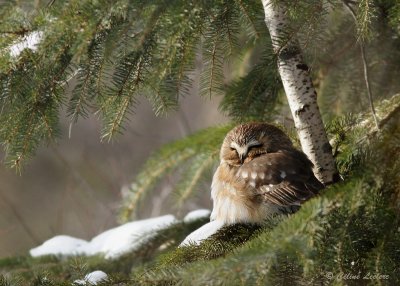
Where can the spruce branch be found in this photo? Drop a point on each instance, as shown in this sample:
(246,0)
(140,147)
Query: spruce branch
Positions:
(201,147)
(219,42)
(182,80)
(253,96)
(230,33)
(26,143)
(89,72)
(213,66)
(145,180)
(173,55)
(128,79)
(78,101)
(198,166)
(246,14)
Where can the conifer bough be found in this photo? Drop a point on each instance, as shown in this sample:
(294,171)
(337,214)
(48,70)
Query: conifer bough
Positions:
(300,93)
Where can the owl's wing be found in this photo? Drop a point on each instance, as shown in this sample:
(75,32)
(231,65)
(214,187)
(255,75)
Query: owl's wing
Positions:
(284,178)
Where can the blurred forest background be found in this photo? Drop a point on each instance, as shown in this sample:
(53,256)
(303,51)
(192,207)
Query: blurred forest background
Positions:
(74,187)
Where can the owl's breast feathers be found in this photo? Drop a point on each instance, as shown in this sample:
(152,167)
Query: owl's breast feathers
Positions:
(271,183)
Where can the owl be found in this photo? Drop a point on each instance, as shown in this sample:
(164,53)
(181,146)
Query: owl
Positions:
(260,174)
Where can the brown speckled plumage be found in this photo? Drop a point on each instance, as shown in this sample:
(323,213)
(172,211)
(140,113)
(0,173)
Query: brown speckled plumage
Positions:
(260,174)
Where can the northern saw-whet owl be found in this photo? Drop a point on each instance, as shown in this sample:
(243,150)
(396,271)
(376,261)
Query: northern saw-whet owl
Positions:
(260,174)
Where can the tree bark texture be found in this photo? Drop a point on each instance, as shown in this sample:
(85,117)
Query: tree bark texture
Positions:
(300,93)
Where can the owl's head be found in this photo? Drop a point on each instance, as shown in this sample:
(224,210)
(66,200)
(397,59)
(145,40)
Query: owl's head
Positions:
(250,140)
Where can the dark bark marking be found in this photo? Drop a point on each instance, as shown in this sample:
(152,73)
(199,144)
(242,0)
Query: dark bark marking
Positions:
(289,53)
(303,67)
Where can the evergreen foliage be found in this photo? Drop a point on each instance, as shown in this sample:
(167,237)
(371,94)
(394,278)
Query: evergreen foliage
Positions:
(254,96)
(120,51)
(117,51)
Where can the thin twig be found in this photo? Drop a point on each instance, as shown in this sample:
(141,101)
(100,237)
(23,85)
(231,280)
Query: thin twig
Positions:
(50,3)
(74,74)
(65,83)
(367,84)
(365,66)
(184,123)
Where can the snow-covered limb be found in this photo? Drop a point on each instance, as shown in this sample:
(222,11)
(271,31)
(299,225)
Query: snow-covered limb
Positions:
(92,278)
(116,241)
(202,233)
(112,243)
(197,214)
(63,245)
(127,237)
(30,41)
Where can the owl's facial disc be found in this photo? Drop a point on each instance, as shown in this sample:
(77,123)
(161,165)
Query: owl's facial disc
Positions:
(242,150)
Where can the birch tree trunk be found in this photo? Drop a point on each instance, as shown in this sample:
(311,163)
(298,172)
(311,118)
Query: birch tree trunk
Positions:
(300,93)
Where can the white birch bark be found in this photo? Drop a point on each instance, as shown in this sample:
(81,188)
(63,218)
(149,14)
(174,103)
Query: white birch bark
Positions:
(300,93)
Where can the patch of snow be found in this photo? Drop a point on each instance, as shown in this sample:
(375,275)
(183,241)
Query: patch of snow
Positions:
(59,245)
(112,243)
(202,233)
(28,42)
(197,214)
(96,276)
(127,237)
(92,278)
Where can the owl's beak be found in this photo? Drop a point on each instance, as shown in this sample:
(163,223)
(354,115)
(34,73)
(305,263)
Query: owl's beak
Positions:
(242,157)
(242,152)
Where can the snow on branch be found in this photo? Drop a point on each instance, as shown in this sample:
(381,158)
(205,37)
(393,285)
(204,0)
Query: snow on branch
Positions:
(117,241)
(31,41)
